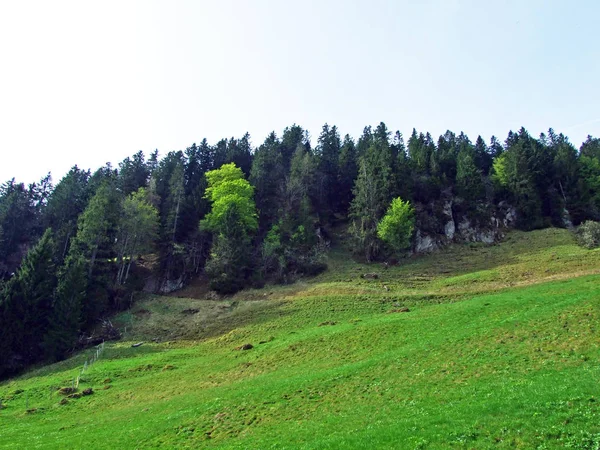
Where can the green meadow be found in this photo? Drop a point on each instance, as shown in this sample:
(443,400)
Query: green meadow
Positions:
(472,347)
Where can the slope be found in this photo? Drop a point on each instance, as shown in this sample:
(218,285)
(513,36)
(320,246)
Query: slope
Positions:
(498,348)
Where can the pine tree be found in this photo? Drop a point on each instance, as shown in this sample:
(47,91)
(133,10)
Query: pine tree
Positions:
(67,309)
(328,153)
(590,148)
(348,171)
(469,184)
(65,204)
(520,181)
(483,159)
(239,152)
(268,178)
(27,303)
(133,174)
(372,194)
(94,242)
(17,224)
(290,140)
(401,166)
(418,151)
(495,147)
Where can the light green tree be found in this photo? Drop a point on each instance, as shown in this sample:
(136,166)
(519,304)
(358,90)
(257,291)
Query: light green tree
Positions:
(138,228)
(227,188)
(396,227)
(232,218)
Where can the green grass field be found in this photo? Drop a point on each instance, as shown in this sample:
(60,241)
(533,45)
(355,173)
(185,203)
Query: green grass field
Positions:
(500,348)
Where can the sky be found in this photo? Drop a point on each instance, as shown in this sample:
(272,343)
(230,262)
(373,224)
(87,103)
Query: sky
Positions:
(93,82)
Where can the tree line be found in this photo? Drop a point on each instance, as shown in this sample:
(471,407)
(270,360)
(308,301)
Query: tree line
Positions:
(72,253)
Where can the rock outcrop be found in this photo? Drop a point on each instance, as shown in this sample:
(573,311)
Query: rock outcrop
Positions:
(453,220)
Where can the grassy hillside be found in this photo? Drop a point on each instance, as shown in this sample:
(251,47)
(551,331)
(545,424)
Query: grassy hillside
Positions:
(499,348)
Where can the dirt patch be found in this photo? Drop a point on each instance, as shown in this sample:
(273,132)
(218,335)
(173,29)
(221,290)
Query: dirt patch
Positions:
(399,310)
(143,368)
(141,313)
(245,347)
(328,322)
(370,276)
(66,390)
(190,311)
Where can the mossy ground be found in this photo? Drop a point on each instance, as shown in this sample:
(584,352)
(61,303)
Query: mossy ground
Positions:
(499,349)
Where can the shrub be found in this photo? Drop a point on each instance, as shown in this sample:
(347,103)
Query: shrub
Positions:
(397,225)
(588,234)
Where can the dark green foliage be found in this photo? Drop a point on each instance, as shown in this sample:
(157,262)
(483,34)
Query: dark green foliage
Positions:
(229,265)
(167,191)
(26,306)
(372,194)
(293,245)
(239,152)
(591,147)
(133,173)
(446,156)
(420,150)
(483,158)
(65,204)
(469,184)
(328,153)
(348,170)
(520,181)
(67,317)
(292,137)
(304,195)
(268,178)
(20,216)
(95,243)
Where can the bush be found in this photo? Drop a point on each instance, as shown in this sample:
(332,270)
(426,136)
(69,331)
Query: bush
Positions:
(285,255)
(588,234)
(224,278)
(397,225)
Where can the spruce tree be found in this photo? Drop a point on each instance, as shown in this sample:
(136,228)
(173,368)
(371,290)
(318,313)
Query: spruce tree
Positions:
(328,152)
(469,184)
(27,303)
(348,171)
(66,317)
(372,194)
(268,178)
(65,204)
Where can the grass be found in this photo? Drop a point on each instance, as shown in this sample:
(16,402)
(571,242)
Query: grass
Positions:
(499,349)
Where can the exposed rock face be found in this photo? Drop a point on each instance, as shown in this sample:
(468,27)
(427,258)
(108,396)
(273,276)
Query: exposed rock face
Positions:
(450,227)
(451,220)
(424,244)
(566,219)
(166,287)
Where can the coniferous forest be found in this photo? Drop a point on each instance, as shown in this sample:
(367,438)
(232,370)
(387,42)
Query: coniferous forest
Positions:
(75,250)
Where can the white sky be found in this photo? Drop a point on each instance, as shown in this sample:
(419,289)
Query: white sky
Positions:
(86,82)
